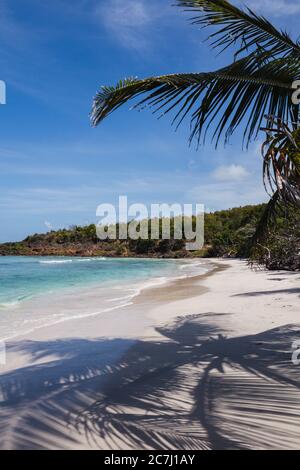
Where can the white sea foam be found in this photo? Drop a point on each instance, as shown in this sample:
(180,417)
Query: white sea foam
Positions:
(192,265)
(13,303)
(61,261)
(78,260)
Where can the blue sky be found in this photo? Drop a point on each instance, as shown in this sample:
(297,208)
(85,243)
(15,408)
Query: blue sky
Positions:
(54,168)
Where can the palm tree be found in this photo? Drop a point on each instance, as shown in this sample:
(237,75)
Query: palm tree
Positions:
(253,92)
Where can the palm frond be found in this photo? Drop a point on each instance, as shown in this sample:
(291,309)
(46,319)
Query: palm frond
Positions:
(247,89)
(237,26)
(268,218)
(281,157)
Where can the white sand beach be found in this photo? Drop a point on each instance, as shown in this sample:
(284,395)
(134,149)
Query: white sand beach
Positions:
(199,363)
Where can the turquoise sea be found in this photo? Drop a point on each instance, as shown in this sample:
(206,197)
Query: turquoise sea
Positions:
(36,291)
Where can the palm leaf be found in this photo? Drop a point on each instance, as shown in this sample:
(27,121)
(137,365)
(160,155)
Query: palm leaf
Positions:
(268,218)
(245,27)
(247,89)
(259,84)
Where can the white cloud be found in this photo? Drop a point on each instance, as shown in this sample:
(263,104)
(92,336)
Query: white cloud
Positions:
(220,195)
(48,225)
(230,173)
(130,21)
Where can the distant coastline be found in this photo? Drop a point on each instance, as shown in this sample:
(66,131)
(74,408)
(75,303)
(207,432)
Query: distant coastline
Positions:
(227,233)
(85,249)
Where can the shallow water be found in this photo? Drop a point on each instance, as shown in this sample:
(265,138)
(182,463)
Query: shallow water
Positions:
(39,291)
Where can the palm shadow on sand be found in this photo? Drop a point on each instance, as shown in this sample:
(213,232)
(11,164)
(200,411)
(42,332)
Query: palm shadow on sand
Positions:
(193,389)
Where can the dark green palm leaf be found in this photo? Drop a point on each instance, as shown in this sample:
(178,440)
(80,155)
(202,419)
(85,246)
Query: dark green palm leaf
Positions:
(273,209)
(247,89)
(238,26)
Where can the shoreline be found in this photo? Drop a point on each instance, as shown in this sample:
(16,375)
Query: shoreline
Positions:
(140,377)
(89,295)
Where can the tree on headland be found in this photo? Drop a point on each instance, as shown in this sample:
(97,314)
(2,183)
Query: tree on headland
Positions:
(254,93)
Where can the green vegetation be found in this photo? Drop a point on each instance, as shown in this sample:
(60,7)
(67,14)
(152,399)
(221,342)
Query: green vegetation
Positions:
(281,248)
(228,233)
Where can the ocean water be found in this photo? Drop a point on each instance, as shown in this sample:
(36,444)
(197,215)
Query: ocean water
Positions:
(39,291)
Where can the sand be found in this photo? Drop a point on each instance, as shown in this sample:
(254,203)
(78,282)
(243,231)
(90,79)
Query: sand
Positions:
(199,363)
